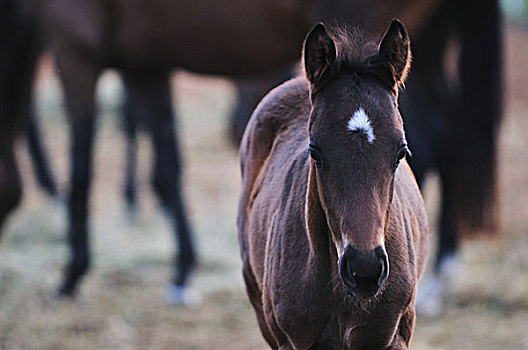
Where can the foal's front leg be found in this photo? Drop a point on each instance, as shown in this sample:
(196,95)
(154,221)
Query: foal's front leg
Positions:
(78,77)
(404,332)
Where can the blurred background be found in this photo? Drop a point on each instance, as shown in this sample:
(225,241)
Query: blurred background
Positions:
(121,305)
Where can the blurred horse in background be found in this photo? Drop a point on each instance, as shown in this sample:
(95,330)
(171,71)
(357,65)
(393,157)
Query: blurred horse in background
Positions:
(145,41)
(451,121)
(19,52)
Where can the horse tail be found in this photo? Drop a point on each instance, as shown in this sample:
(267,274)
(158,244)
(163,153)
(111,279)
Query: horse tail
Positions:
(475,132)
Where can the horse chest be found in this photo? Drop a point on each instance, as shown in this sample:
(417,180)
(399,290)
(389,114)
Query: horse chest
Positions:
(305,307)
(292,295)
(301,316)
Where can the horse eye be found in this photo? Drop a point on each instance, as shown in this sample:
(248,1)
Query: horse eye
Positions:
(404,150)
(315,154)
(401,154)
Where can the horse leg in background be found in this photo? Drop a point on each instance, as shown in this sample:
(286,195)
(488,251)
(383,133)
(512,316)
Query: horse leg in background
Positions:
(10,183)
(249,93)
(426,132)
(447,267)
(40,161)
(465,160)
(150,92)
(427,104)
(20,49)
(129,121)
(78,78)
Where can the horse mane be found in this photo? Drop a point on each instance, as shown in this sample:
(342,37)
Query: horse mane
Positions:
(357,54)
(354,45)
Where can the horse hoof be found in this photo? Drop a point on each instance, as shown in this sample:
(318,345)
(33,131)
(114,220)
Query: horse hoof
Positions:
(432,290)
(58,203)
(131,214)
(450,271)
(429,298)
(62,294)
(182,296)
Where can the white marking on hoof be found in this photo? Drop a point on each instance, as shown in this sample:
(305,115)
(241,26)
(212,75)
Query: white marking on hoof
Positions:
(433,289)
(450,271)
(59,203)
(182,296)
(429,300)
(56,212)
(361,122)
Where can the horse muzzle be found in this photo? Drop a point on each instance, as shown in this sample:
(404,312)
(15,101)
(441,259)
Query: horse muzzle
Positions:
(363,272)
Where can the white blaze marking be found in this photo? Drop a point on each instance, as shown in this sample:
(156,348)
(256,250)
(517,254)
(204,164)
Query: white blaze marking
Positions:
(361,122)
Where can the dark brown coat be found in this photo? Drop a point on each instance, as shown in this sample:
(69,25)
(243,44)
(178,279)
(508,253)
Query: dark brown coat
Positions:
(296,216)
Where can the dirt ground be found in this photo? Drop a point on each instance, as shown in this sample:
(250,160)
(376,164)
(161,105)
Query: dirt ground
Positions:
(120,304)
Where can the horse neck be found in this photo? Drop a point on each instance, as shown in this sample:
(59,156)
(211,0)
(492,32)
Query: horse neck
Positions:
(322,250)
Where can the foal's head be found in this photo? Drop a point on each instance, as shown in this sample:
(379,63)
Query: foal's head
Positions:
(356,143)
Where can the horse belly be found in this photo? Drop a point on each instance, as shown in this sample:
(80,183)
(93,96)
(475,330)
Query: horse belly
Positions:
(79,23)
(231,37)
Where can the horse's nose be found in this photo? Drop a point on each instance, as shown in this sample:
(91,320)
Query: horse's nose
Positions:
(363,273)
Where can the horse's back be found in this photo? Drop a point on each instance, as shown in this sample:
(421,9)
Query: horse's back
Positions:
(280,117)
(231,37)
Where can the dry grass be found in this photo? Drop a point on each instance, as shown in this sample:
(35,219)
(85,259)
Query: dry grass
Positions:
(120,303)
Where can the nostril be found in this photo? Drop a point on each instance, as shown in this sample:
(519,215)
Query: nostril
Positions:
(351,273)
(350,269)
(381,278)
(384,262)
(347,272)
(363,273)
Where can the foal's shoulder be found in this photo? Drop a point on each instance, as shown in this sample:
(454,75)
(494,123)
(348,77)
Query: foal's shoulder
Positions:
(283,107)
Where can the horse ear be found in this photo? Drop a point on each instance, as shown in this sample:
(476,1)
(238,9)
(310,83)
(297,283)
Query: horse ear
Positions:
(319,53)
(395,52)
